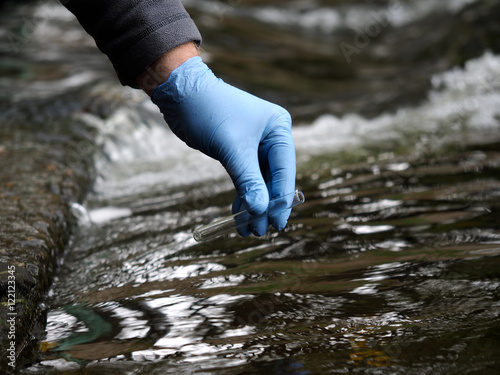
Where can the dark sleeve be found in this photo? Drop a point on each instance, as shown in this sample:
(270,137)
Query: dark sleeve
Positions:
(134,33)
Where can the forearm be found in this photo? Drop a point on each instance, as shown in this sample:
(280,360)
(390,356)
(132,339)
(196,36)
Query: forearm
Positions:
(159,71)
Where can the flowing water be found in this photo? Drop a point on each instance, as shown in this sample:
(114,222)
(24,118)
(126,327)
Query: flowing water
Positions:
(391,266)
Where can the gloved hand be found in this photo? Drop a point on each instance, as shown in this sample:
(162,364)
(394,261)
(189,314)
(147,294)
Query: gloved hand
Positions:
(249,136)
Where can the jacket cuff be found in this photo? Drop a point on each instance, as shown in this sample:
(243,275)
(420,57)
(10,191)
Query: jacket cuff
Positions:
(134,33)
(150,48)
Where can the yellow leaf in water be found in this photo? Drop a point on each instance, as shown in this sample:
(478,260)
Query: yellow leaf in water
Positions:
(47,345)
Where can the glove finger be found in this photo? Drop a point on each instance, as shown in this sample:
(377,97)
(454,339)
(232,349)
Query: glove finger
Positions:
(279,150)
(245,172)
(254,197)
(243,220)
(247,224)
(259,225)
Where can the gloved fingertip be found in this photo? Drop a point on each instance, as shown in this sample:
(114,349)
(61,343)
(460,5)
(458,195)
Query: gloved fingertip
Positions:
(244,231)
(260,226)
(281,225)
(242,222)
(279,221)
(256,201)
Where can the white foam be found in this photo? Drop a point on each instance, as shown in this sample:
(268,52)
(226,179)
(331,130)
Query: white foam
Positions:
(104,214)
(140,151)
(461,99)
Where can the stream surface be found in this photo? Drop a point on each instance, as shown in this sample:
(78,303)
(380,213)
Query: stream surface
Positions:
(391,266)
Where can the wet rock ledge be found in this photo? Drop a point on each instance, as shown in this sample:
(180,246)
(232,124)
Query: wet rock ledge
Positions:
(41,174)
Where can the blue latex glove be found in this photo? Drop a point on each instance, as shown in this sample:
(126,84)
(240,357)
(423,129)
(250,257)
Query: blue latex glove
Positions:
(251,137)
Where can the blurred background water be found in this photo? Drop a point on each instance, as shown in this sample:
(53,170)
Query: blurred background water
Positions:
(392,264)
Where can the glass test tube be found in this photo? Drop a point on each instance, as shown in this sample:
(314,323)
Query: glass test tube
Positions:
(231,223)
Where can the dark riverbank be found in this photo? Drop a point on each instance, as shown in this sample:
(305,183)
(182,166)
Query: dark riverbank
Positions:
(41,174)
(46,165)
